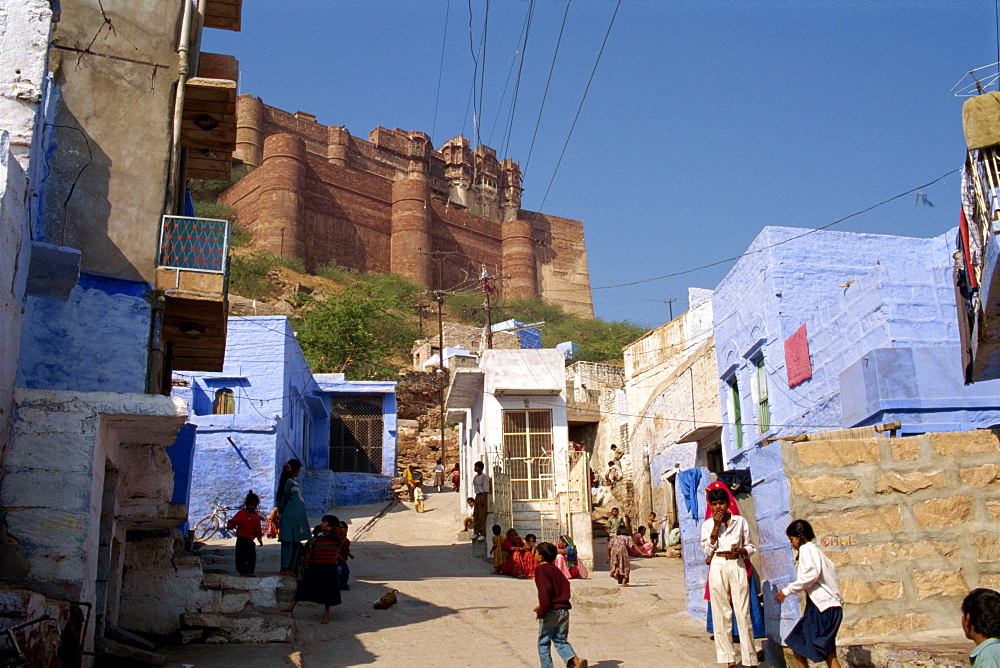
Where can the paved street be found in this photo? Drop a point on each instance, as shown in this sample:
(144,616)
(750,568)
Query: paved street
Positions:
(452,612)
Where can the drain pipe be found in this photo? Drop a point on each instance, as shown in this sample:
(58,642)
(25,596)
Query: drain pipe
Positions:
(183,70)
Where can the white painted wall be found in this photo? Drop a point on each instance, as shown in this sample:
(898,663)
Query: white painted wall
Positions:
(25,26)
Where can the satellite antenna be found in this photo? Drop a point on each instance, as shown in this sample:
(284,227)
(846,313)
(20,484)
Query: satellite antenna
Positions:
(976,82)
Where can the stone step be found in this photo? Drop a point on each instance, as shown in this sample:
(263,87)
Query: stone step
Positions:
(905,655)
(133,655)
(229,593)
(252,627)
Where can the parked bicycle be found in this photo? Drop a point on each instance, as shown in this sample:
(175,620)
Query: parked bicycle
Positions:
(213,524)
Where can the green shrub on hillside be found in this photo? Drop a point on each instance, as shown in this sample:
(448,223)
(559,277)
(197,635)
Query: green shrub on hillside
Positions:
(359,330)
(250,276)
(599,340)
(209,191)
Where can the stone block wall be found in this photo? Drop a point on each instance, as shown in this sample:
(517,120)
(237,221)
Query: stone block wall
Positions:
(325,490)
(910,524)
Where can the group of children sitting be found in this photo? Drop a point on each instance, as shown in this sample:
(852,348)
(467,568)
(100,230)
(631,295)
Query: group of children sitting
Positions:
(323,571)
(516,556)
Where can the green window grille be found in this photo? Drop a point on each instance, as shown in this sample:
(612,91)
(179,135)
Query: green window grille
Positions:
(735,411)
(763,405)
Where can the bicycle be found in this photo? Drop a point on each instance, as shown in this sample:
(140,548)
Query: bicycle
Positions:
(215,523)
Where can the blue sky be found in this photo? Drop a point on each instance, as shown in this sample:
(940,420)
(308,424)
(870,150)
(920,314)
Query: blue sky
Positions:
(705,120)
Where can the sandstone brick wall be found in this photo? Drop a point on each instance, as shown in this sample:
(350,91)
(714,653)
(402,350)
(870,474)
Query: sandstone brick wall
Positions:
(456,334)
(347,209)
(910,523)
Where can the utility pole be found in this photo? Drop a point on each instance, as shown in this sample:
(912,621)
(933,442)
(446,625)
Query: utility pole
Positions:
(670,305)
(487,291)
(439,298)
(438,295)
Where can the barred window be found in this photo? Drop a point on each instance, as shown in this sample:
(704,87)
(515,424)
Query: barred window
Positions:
(527,444)
(356,435)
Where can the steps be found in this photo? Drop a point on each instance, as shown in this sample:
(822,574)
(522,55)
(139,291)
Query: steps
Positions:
(235,609)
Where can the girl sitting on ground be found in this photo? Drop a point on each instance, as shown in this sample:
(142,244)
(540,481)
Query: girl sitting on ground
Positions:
(528,562)
(640,546)
(511,548)
(567,559)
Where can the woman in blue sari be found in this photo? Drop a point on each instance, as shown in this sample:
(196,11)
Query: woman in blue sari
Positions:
(294,527)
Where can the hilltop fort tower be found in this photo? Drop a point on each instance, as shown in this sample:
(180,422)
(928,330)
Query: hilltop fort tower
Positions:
(395,204)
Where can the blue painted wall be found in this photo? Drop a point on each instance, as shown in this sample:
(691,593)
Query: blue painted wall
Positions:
(530,338)
(96,341)
(883,342)
(282,412)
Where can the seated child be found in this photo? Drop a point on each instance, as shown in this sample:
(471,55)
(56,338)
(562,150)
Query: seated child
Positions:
(467,522)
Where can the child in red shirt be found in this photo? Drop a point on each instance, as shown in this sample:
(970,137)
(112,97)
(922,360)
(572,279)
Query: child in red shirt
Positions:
(553,609)
(246,525)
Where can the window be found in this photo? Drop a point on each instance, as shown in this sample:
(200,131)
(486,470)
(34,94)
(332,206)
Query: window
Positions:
(760,390)
(735,414)
(527,447)
(356,435)
(225,402)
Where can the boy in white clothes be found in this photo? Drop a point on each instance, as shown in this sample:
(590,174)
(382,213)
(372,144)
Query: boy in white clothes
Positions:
(726,540)
(481,488)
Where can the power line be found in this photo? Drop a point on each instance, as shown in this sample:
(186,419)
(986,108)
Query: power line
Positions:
(506,83)
(475,71)
(482,77)
(517,84)
(444,40)
(582,100)
(545,94)
(764,248)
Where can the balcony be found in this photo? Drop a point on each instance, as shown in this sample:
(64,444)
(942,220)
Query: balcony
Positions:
(193,273)
(583,405)
(208,124)
(223,14)
(977,279)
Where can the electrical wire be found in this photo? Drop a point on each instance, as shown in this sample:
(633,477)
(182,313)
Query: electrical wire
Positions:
(482,77)
(580,108)
(548,81)
(517,84)
(763,248)
(444,41)
(506,83)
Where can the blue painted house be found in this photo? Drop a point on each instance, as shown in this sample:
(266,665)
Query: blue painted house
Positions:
(266,407)
(830,330)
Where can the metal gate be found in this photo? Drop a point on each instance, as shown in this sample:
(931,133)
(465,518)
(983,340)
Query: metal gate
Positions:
(503,506)
(356,436)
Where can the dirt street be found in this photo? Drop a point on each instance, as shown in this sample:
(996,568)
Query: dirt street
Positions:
(453,612)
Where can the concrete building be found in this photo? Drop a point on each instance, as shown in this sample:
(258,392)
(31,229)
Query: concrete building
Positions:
(388,204)
(266,407)
(674,415)
(104,302)
(512,416)
(830,331)
(594,399)
(457,335)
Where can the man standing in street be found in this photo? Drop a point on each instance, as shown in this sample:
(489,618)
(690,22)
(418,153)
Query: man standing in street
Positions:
(481,490)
